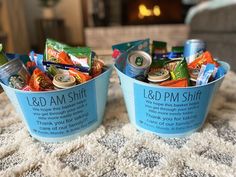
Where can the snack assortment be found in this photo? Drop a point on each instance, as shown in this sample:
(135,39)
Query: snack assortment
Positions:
(183,66)
(60,67)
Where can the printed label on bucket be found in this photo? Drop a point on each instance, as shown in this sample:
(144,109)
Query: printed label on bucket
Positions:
(170,111)
(60,113)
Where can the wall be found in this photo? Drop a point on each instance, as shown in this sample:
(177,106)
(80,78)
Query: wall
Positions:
(32,12)
(13,25)
(69,10)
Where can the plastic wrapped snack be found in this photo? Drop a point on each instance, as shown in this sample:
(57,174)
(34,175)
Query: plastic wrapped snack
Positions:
(59,53)
(40,81)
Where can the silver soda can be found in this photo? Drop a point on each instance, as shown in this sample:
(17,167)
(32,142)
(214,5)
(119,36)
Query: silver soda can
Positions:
(137,64)
(192,48)
(14,74)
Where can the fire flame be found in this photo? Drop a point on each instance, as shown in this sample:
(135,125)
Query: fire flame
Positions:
(145,12)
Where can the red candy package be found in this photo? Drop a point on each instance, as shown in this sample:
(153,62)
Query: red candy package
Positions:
(203,59)
(97,67)
(40,82)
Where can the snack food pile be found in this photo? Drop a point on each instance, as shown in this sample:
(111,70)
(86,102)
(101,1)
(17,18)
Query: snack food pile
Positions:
(60,67)
(183,66)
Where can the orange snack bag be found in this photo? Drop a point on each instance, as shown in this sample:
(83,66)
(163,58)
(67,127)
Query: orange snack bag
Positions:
(175,83)
(64,58)
(204,58)
(40,82)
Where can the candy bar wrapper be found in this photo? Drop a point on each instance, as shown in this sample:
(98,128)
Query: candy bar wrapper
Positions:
(203,59)
(66,67)
(122,50)
(39,81)
(31,65)
(59,53)
(98,64)
(79,76)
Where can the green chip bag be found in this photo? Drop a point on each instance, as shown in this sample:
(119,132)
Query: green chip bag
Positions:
(59,53)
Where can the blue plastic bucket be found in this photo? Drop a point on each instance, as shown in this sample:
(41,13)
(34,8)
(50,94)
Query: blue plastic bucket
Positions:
(62,115)
(165,111)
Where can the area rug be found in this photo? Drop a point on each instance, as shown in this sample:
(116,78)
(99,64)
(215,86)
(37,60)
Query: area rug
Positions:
(117,149)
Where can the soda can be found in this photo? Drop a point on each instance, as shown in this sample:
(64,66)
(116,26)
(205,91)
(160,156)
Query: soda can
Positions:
(192,48)
(14,74)
(138,63)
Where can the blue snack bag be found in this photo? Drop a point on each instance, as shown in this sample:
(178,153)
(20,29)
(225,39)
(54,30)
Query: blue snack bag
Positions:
(219,73)
(205,73)
(128,46)
(38,59)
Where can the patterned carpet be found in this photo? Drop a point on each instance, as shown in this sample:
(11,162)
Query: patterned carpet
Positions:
(117,149)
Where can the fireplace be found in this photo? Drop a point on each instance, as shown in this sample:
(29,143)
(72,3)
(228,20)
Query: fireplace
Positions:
(108,22)
(134,12)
